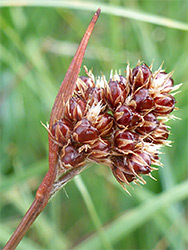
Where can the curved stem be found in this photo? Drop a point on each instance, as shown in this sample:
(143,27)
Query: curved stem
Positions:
(28,219)
(44,191)
(68,85)
(37,207)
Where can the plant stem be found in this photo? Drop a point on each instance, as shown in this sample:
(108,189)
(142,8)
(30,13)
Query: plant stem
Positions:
(28,219)
(37,207)
(46,187)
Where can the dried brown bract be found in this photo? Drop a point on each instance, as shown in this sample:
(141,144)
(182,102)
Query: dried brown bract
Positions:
(63,154)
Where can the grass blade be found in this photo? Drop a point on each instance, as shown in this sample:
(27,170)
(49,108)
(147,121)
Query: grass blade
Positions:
(136,217)
(90,206)
(112,10)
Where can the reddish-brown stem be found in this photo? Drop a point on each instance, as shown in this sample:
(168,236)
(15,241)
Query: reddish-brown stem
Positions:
(65,91)
(25,224)
(69,82)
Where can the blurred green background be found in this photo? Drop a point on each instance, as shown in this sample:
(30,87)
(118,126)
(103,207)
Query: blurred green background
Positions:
(38,42)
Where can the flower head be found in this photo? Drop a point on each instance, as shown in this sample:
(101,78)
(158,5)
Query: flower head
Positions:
(119,123)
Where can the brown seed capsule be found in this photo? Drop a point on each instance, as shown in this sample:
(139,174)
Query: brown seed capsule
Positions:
(123,79)
(75,109)
(82,85)
(88,81)
(139,162)
(121,163)
(164,81)
(95,95)
(140,75)
(84,132)
(104,124)
(160,134)
(120,170)
(125,140)
(143,100)
(130,177)
(123,116)
(116,91)
(136,121)
(122,177)
(150,124)
(62,130)
(164,104)
(70,157)
(99,150)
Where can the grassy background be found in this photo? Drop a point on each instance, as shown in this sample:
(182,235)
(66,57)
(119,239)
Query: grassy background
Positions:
(93,212)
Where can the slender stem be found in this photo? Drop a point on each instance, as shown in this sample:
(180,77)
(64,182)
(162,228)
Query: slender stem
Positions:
(37,207)
(44,191)
(68,85)
(28,219)
(32,213)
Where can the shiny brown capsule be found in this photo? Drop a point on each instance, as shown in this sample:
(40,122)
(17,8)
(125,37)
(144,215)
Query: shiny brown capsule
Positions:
(136,120)
(62,130)
(140,162)
(160,134)
(166,82)
(84,132)
(140,75)
(122,176)
(70,157)
(95,95)
(75,109)
(121,163)
(117,91)
(143,100)
(164,104)
(82,85)
(99,150)
(123,116)
(150,124)
(120,170)
(88,81)
(104,124)
(125,140)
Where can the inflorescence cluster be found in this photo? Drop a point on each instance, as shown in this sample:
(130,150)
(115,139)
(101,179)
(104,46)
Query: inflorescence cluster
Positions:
(119,123)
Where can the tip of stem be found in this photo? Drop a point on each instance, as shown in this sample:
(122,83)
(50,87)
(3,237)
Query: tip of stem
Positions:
(97,13)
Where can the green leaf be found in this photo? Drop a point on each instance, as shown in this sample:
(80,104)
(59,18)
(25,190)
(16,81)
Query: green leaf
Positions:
(131,220)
